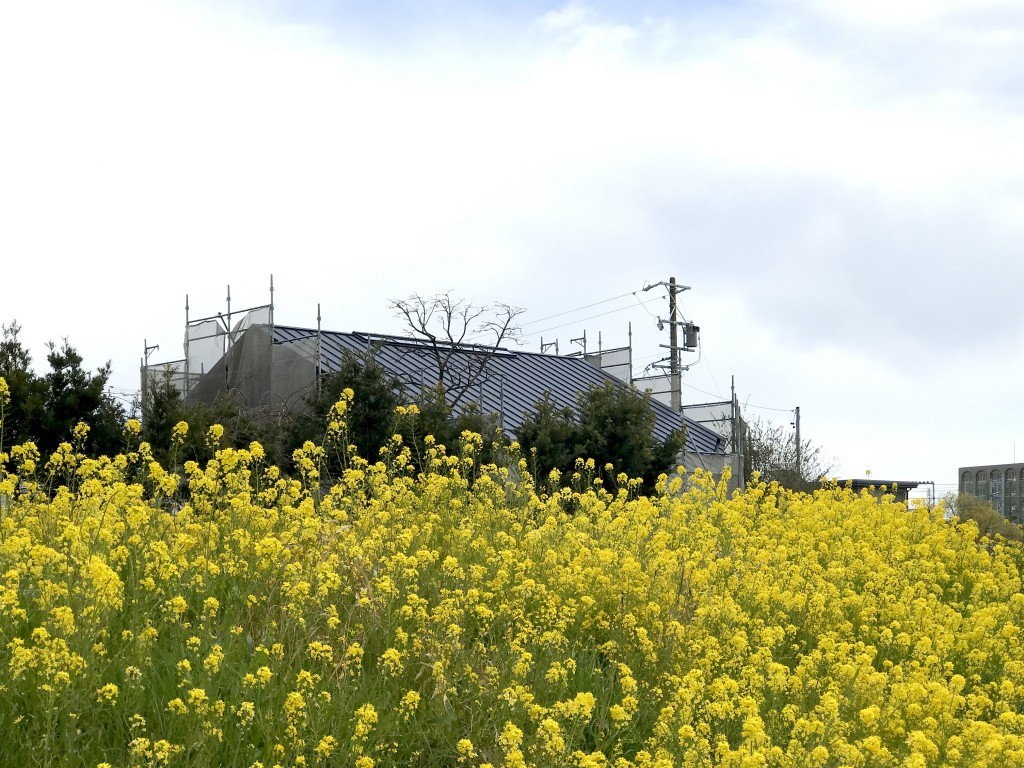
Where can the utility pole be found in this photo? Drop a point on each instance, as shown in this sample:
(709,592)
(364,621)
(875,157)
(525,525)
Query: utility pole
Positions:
(796,423)
(690,332)
(673,342)
(738,446)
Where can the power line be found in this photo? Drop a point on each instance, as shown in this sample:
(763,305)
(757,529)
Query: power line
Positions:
(720,396)
(708,364)
(572,311)
(767,408)
(577,309)
(704,391)
(644,305)
(584,319)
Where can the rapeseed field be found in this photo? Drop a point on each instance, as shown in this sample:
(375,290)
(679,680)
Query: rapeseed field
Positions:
(441,612)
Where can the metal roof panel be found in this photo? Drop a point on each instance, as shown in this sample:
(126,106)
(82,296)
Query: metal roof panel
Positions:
(516,381)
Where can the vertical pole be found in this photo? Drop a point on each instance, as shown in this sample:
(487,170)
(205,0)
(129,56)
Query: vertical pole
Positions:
(630,339)
(227,362)
(798,441)
(732,416)
(188,380)
(739,444)
(319,352)
(677,398)
(144,367)
(270,340)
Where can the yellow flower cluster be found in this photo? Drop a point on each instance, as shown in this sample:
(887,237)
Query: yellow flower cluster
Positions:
(239,617)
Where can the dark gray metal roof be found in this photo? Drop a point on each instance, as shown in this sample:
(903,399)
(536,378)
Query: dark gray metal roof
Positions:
(515,380)
(870,482)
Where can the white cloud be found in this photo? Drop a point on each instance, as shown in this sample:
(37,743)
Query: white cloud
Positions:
(907,14)
(570,16)
(843,181)
(588,39)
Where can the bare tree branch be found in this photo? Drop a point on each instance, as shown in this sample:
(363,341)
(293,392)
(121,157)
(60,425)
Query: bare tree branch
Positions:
(452,330)
(770,449)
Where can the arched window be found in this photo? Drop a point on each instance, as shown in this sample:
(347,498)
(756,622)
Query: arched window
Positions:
(995,489)
(982,484)
(1010,501)
(967,483)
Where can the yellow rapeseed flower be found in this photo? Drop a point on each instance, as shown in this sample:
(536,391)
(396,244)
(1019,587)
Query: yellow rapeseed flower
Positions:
(107,694)
(325,748)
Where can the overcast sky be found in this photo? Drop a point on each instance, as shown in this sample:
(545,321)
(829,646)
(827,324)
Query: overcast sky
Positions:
(839,183)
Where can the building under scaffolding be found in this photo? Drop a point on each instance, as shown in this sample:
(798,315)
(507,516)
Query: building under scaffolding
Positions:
(269,366)
(208,343)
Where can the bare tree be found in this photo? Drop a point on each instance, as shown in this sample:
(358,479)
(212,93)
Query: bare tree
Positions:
(460,338)
(770,449)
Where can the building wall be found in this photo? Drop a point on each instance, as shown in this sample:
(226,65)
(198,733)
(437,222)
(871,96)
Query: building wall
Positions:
(259,372)
(716,464)
(1001,484)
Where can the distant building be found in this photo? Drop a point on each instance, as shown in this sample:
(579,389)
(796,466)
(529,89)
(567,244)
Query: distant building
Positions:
(900,489)
(999,484)
(273,367)
(267,364)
